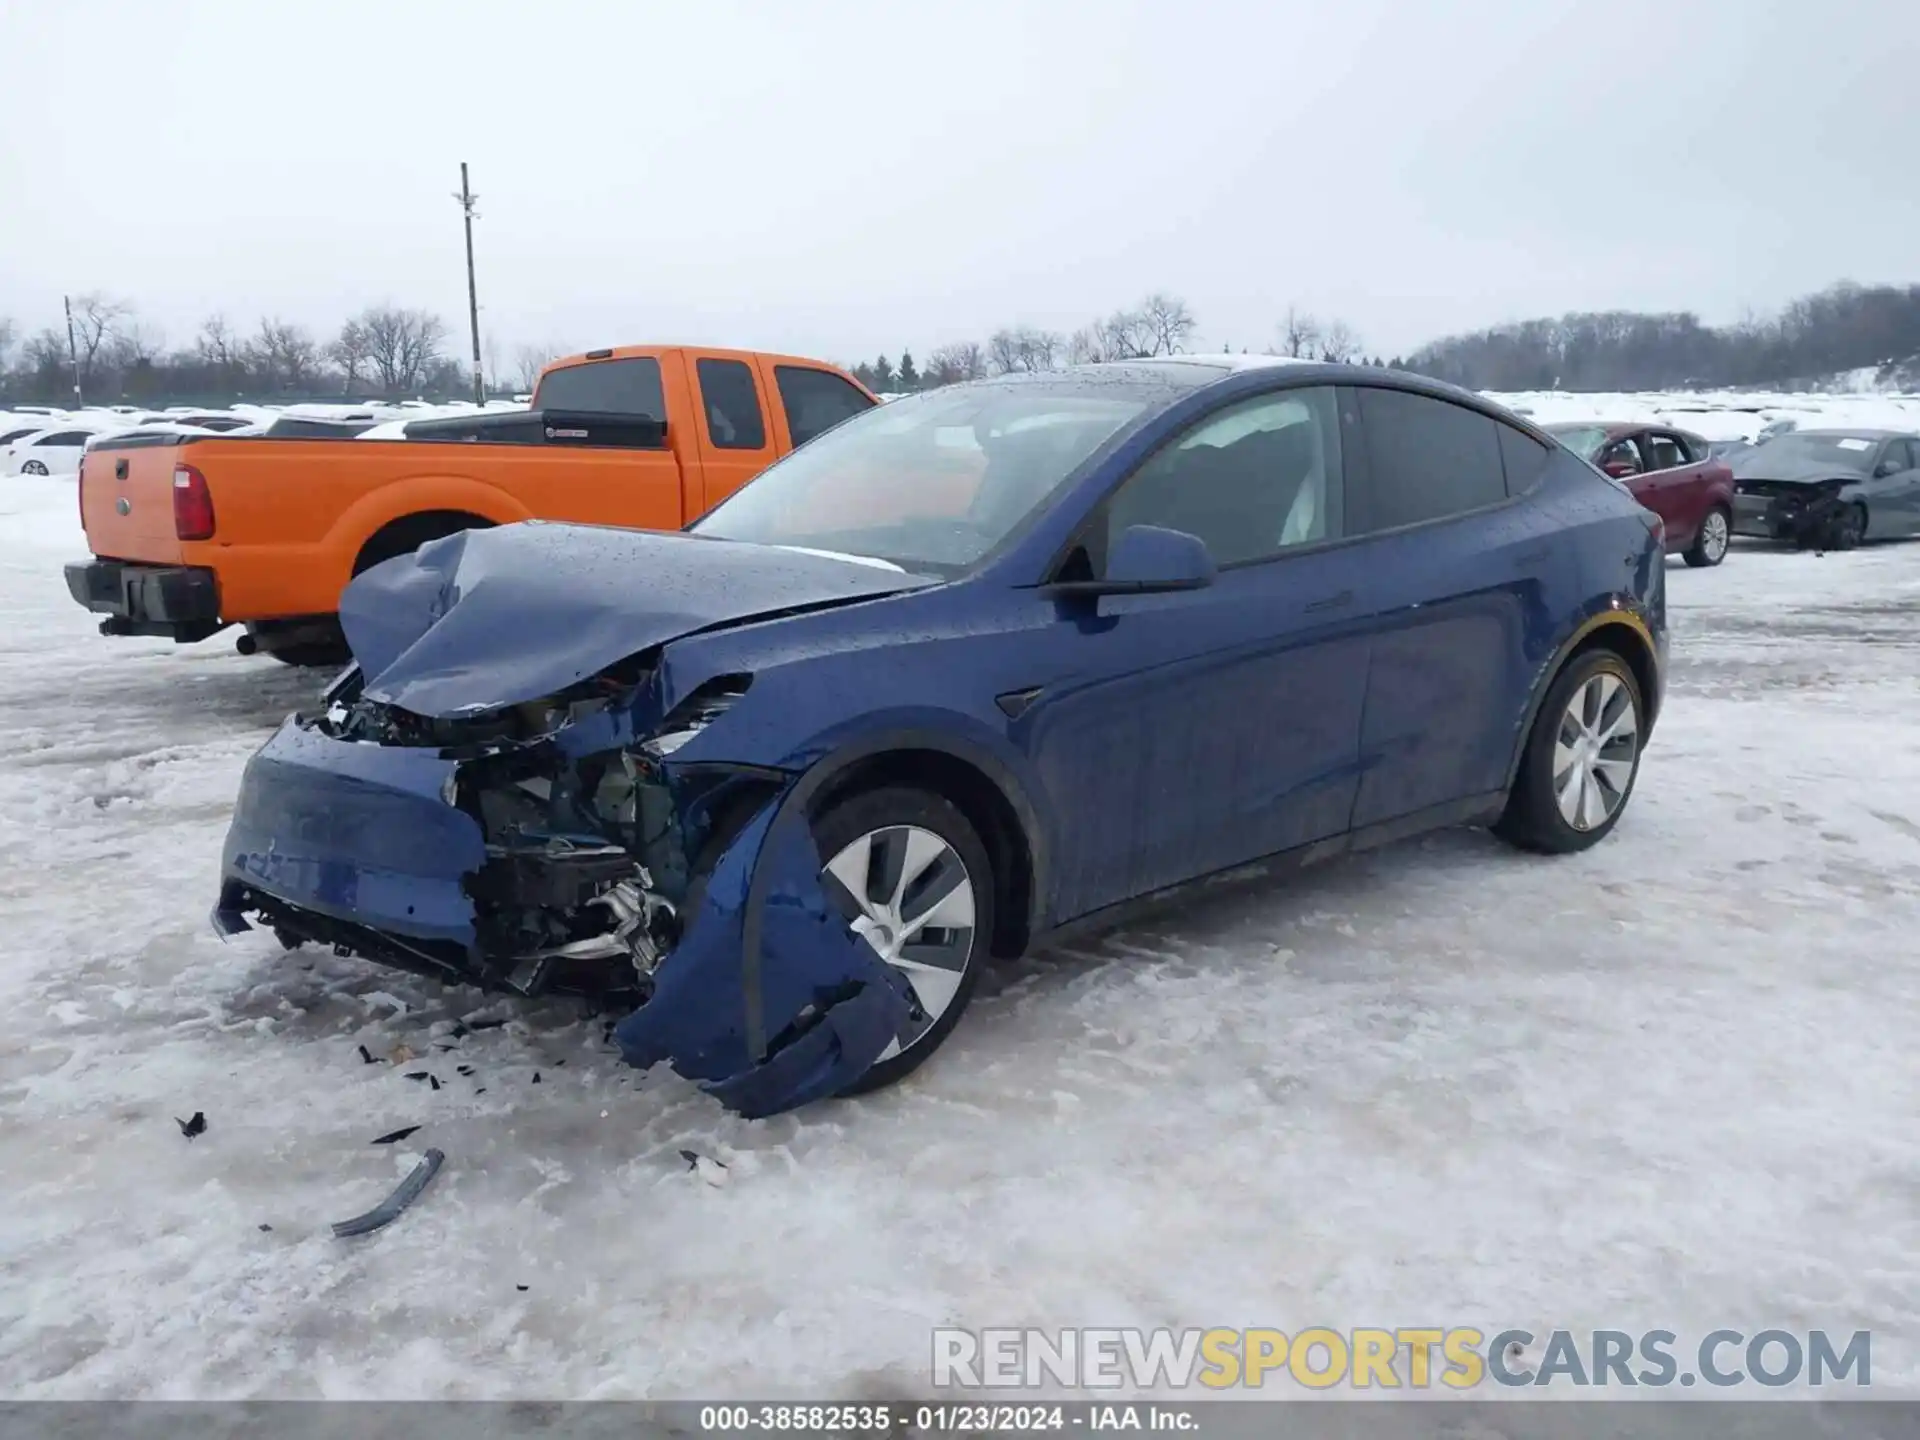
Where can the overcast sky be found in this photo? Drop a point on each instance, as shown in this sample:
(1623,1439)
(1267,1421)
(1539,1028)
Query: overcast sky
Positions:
(842,179)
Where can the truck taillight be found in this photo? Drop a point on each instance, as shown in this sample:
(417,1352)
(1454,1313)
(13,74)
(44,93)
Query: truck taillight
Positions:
(192,505)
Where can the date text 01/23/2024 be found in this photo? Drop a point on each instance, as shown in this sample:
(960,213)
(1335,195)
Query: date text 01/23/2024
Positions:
(964,1419)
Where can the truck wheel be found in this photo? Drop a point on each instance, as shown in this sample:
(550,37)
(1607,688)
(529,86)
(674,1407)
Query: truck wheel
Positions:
(403,537)
(307,644)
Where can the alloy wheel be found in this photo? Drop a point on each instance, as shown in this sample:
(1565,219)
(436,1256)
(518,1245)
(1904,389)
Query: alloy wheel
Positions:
(908,894)
(33,467)
(1713,536)
(1595,752)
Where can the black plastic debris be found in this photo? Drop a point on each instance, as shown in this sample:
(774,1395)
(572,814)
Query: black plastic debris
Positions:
(446,1047)
(693,1160)
(196,1126)
(559,1062)
(536,1077)
(368,1057)
(265,1226)
(434,1080)
(418,1075)
(464,1069)
(520,1288)
(388,1210)
(487,1025)
(394,1137)
(481,1091)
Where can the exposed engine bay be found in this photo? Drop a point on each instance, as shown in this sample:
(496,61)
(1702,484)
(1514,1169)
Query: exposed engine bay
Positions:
(590,858)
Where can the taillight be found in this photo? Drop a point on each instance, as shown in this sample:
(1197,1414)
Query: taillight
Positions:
(192,504)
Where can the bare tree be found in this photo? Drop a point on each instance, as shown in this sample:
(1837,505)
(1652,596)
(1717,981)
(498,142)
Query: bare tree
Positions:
(1299,333)
(135,344)
(285,354)
(1339,344)
(95,318)
(491,348)
(8,336)
(46,352)
(217,345)
(529,361)
(1023,348)
(402,344)
(1166,323)
(351,350)
(952,364)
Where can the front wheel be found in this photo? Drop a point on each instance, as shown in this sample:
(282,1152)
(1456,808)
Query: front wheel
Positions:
(33,467)
(1581,760)
(1847,528)
(911,877)
(1710,545)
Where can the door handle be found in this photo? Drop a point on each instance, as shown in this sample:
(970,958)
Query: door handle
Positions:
(1332,602)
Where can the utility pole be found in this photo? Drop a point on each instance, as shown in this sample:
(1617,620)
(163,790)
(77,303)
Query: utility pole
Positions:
(466,197)
(73,354)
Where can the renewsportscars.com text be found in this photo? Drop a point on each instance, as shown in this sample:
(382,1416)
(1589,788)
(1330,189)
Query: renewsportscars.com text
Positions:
(1416,1358)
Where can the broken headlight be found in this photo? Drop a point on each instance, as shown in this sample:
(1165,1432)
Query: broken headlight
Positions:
(699,710)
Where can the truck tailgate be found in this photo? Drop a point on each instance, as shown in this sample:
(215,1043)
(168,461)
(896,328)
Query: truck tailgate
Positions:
(126,501)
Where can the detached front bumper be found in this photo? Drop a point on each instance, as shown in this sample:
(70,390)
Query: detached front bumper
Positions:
(765,996)
(181,602)
(1802,513)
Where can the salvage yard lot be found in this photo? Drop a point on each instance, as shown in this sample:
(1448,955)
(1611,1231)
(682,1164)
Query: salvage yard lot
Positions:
(1666,1083)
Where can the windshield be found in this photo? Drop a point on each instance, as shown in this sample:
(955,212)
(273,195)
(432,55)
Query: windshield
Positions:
(932,482)
(1583,440)
(1848,452)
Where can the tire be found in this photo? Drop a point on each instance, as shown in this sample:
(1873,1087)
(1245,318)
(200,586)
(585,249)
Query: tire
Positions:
(311,646)
(1847,528)
(1710,545)
(33,467)
(907,823)
(1536,818)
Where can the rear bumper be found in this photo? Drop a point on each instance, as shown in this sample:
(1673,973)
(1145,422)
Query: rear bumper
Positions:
(181,602)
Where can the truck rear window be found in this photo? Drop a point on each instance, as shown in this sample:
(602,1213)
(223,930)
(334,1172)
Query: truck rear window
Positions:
(612,387)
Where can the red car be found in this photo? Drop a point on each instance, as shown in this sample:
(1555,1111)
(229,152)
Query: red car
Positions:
(1669,472)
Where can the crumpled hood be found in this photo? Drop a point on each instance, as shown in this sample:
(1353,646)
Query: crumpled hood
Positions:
(1794,472)
(488,618)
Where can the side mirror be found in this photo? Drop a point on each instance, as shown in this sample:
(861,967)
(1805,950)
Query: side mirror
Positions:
(1886,468)
(1148,560)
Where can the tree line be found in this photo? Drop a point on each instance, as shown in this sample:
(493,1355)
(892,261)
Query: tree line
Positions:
(390,351)
(385,352)
(1842,328)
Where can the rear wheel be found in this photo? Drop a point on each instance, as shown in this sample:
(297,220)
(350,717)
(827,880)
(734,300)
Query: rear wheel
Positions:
(909,874)
(313,643)
(33,467)
(1710,545)
(1581,760)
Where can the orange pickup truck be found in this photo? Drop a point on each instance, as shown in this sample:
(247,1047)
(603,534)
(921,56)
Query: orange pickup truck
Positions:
(191,535)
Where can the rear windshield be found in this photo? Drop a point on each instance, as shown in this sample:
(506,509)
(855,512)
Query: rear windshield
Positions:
(612,387)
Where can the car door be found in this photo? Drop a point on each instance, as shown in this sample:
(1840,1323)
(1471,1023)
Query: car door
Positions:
(1675,487)
(1190,732)
(1894,497)
(60,452)
(736,440)
(1459,578)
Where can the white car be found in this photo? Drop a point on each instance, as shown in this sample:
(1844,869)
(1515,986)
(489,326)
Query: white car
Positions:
(49,452)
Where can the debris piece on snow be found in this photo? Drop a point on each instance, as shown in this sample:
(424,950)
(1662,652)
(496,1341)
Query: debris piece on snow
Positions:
(485,1025)
(388,1210)
(536,1077)
(446,1047)
(402,1053)
(434,1080)
(418,1075)
(394,1137)
(520,1287)
(714,1172)
(464,1069)
(265,1226)
(481,1091)
(368,1057)
(196,1126)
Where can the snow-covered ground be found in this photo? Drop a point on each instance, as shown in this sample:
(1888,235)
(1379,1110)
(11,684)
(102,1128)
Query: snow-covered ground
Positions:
(1669,1083)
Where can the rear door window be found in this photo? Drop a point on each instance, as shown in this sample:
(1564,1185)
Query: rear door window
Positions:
(1427,459)
(1666,451)
(1522,457)
(732,404)
(1901,455)
(611,387)
(65,437)
(815,400)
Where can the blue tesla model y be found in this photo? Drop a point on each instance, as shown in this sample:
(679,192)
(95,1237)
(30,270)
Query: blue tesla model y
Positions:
(971,668)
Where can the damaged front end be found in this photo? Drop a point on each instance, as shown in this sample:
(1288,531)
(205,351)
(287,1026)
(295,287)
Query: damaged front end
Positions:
(561,847)
(1806,513)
